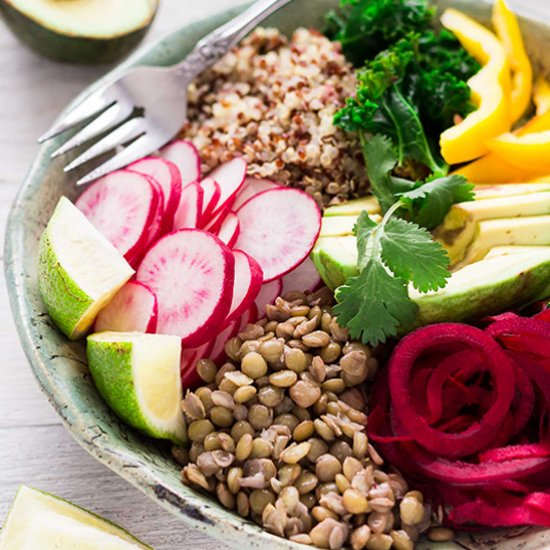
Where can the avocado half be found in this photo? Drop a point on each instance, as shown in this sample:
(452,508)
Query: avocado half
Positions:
(80,31)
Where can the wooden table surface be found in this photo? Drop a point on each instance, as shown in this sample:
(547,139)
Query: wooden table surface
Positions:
(34,447)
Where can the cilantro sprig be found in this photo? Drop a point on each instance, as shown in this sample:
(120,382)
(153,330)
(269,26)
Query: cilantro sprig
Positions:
(375,305)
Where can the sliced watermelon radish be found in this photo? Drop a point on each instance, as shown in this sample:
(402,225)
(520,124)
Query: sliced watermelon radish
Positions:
(217,354)
(279,228)
(248,282)
(124,206)
(156,229)
(167,175)
(186,157)
(133,309)
(304,277)
(212,193)
(192,274)
(230,229)
(230,177)
(251,187)
(216,220)
(189,210)
(249,316)
(188,364)
(267,295)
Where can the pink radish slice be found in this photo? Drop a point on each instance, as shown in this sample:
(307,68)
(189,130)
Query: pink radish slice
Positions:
(251,187)
(218,349)
(189,210)
(230,229)
(124,206)
(216,221)
(186,157)
(212,193)
(230,177)
(133,309)
(156,229)
(192,274)
(279,228)
(304,277)
(249,316)
(188,364)
(267,295)
(248,282)
(167,175)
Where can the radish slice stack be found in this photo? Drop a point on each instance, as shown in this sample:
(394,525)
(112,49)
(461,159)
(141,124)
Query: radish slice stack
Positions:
(133,309)
(210,253)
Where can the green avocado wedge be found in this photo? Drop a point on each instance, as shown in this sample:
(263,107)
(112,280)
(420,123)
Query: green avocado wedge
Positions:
(510,276)
(80,31)
(493,285)
(465,222)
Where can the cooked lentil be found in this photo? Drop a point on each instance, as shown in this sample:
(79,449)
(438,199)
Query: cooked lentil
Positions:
(283,448)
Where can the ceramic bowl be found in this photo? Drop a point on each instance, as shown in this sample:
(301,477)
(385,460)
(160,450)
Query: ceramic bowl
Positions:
(60,366)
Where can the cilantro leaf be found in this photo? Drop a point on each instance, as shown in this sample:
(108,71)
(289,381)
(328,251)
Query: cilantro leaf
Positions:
(363,231)
(432,199)
(375,304)
(411,253)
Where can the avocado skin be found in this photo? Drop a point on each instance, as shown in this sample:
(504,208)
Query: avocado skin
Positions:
(469,306)
(72,49)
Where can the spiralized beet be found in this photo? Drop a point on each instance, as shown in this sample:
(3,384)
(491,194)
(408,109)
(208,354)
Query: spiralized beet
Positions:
(471,427)
(474,438)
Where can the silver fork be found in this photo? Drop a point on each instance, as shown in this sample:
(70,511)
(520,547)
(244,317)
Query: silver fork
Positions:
(159,92)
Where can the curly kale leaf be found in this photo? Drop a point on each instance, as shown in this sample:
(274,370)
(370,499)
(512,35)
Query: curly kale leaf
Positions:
(366,27)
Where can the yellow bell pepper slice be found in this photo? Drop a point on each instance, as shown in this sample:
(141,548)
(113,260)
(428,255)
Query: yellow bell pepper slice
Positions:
(493,168)
(490,91)
(541,95)
(540,179)
(530,152)
(509,33)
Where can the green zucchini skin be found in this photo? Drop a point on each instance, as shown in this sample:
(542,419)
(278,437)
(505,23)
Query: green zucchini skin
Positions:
(64,47)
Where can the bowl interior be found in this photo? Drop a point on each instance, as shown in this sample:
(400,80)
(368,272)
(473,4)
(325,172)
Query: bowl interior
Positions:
(60,367)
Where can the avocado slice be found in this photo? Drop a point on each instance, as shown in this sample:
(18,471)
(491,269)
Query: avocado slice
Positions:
(460,227)
(354,207)
(493,285)
(335,259)
(508,277)
(341,226)
(528,231)
(81,31)
(494,191)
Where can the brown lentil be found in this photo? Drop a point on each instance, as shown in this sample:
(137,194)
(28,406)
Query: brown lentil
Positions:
(283,379)
(254,365)
(303,431)
(277,437)
(411,509)
(326,467)
(441,534)
(259,499)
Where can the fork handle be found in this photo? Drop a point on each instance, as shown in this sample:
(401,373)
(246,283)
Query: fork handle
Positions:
(216,44)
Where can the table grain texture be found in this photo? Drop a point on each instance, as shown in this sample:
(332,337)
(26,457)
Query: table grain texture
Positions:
(35,449)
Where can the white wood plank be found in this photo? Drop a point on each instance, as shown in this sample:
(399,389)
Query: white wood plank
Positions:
(47,458)
(34,447)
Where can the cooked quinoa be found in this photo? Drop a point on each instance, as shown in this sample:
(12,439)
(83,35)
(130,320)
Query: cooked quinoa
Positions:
(272,100)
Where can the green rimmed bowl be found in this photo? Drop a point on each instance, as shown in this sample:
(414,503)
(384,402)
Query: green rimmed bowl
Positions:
(60,367)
